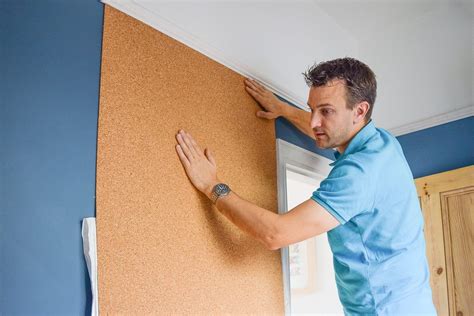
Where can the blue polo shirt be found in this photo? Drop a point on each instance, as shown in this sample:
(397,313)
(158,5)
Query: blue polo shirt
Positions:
(378,250)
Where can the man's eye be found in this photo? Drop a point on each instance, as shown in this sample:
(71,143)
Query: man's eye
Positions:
(326,111)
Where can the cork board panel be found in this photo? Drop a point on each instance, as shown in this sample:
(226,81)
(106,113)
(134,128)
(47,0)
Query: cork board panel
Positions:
(162,247)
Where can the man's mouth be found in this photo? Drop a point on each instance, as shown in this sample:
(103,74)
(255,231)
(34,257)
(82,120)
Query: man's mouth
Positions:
(319,134)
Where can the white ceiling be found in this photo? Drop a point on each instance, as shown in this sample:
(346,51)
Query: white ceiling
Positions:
(421,51)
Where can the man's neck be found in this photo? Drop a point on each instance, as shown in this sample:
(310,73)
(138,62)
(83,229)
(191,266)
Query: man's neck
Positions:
(355,131)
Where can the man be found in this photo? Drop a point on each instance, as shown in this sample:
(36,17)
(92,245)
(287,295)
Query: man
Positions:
(367,204)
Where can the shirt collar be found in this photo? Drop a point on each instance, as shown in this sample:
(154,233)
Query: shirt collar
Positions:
(357,141)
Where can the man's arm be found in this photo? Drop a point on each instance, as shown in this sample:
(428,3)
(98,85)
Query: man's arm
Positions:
(276,231)
(273,230)
(275,108)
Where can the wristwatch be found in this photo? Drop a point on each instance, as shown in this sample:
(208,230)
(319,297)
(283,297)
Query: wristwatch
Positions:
(219,190)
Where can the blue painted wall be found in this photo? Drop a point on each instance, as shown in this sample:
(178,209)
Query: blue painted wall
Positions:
(440,148)
(50,66)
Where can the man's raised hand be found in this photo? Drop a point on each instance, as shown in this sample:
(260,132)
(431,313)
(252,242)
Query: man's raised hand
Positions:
(273,107)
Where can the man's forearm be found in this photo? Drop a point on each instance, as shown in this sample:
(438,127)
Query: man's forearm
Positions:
(260,223)
(299,118)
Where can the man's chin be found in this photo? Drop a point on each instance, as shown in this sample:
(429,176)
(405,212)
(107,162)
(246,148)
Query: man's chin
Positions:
(323,145)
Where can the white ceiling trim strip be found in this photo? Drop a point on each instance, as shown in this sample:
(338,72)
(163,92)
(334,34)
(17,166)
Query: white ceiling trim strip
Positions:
(433,121)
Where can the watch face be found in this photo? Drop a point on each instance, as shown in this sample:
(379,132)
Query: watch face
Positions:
(222,188)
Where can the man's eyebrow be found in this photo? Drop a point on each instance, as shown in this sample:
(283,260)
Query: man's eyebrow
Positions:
(321,105)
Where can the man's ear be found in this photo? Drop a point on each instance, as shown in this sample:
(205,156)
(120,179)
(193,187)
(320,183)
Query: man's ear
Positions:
(360,112)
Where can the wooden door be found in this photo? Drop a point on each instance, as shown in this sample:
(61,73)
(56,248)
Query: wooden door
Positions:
(447,202)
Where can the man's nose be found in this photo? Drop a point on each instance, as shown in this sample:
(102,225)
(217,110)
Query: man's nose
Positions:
(315,120)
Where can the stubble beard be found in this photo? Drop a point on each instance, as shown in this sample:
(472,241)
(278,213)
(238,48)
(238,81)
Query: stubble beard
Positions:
(329,142)
(324,143)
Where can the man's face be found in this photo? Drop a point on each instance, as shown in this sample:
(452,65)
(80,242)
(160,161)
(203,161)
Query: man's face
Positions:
(332,122)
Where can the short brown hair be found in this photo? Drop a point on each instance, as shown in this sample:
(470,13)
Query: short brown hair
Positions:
(359,78)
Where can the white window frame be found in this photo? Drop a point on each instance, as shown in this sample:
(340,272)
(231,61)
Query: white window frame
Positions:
(305,162)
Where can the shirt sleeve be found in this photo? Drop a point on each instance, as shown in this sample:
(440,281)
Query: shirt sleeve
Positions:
(347,191)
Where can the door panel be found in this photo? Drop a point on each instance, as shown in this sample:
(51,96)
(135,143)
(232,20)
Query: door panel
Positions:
(449,244)
(458,223)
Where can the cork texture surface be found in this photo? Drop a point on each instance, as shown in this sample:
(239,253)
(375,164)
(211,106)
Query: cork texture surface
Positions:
(162,247)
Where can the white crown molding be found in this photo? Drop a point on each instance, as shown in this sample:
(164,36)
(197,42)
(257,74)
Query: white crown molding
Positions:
(171,29)
(433,121)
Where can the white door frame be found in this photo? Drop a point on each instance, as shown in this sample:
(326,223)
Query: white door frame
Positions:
(305,162)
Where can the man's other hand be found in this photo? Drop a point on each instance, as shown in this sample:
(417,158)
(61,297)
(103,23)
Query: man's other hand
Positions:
(267,100)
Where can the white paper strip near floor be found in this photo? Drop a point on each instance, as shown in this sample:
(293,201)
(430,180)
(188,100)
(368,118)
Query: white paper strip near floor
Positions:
(90,253)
